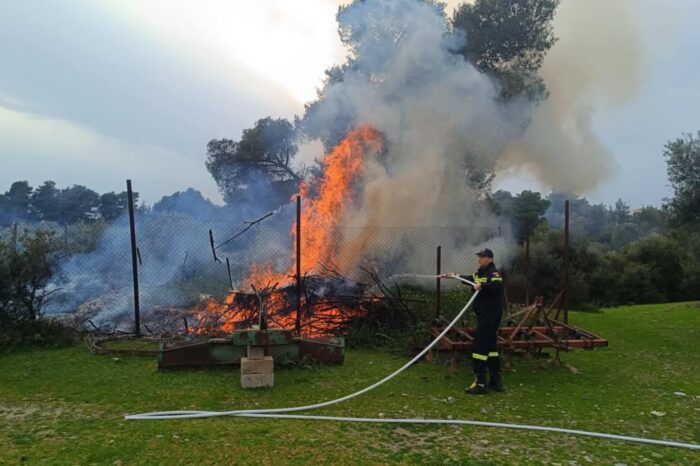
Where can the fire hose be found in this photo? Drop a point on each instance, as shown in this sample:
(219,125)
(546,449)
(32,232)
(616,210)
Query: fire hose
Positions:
(279,413)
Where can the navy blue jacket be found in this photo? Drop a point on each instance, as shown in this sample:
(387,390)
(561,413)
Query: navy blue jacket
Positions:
(490,299)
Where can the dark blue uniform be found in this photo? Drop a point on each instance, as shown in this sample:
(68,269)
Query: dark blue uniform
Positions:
(488,307)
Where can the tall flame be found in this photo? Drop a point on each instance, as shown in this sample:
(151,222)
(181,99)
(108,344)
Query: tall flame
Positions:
(320,213)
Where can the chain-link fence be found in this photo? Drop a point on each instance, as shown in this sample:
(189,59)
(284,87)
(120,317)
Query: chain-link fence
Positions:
(183,260)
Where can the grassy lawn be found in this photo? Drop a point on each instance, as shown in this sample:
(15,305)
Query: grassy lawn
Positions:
(66,406)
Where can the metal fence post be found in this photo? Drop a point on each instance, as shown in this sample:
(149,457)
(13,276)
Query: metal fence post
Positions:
(527,262)
(298,266)
(567,263)
(134,260)
(437,283)
(230,280)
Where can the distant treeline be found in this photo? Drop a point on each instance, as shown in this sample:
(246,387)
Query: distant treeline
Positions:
(24,204)
(615,225)
(618,256)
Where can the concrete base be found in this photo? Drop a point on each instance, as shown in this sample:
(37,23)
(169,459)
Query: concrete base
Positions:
(256,373)
(256,352)
(257,366)
(257,380)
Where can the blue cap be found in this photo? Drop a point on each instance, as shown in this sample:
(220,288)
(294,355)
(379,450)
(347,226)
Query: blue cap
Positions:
(486,252)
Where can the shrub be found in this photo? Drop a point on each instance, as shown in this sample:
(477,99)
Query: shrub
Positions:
(25,269)
(41,333)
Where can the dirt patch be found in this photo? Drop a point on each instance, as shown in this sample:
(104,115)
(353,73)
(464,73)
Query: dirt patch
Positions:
(44,411)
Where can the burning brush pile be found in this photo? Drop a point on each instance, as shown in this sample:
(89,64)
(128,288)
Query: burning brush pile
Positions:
(322,301)
(330,304)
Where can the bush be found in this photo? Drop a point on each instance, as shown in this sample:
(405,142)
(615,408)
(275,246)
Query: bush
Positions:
(690,263)
(656,268)
(25,269)
(40,333)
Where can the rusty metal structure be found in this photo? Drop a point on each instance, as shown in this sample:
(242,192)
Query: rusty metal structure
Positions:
(528,330)
(281,344)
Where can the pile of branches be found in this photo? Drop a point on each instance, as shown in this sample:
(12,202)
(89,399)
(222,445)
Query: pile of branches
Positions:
(330,303)
(89,317)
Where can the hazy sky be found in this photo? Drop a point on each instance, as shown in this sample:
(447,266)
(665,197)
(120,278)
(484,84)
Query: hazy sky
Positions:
(94,92)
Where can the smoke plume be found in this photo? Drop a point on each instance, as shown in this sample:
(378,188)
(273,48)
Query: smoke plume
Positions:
(440,118)
(598,62)
(434,109)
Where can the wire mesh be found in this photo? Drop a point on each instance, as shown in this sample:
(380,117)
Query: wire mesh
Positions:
(180,266)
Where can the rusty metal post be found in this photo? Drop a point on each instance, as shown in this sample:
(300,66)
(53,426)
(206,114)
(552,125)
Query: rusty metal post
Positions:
(527,262)
(567,263)
(298,258)
(134,260)
(230,280)
(437,284)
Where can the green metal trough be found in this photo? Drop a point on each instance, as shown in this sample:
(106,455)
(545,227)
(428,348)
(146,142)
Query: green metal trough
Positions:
(281,344)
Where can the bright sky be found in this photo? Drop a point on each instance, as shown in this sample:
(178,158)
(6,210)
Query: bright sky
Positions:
(94,92)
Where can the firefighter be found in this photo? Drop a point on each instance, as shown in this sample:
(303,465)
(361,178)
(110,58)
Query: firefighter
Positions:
(488,307)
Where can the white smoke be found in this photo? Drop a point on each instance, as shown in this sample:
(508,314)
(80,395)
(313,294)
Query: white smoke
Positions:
(435,110)
(598,62)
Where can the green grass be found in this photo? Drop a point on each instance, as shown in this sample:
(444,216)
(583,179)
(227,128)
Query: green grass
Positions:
(66,406)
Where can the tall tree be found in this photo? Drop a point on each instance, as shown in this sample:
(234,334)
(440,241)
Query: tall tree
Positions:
(260,160)
(45,200)
(650,219)
(78,203)
(524,211)
(529,209)
(508,40)
(599,226)
(683,165)
(112,204)
(16,203)
(621,212)
(189,202)
(502,202)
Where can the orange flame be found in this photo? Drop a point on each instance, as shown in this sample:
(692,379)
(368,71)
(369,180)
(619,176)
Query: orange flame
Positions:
(320,213)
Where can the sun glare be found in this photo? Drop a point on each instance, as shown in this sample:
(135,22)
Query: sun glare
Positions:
(286,43)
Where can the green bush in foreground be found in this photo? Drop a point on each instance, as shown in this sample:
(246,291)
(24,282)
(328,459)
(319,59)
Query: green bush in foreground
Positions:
(26,266)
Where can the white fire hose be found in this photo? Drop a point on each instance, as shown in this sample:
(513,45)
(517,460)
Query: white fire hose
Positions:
(278,413)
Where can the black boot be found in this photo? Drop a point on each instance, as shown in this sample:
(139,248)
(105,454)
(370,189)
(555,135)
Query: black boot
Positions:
(478,387)
(495,381)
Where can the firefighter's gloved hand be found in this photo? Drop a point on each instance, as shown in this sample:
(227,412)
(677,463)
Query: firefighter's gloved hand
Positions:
(477,286)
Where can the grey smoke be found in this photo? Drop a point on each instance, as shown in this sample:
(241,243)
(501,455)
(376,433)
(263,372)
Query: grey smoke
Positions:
(598,62)
(434,110)
(177,267)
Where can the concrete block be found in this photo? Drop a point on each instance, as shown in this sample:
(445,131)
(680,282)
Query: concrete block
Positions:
(257,380)
(257,366)
(256,352)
